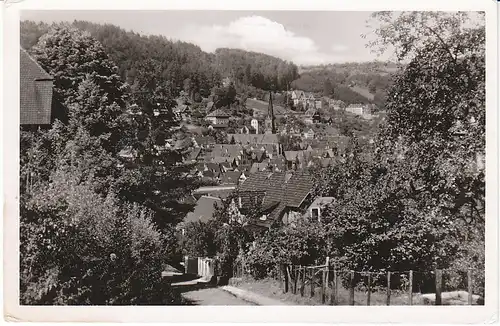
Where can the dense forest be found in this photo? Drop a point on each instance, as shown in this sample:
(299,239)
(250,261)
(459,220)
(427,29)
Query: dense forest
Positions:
(184,64)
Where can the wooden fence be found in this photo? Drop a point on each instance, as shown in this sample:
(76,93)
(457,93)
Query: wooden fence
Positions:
(296,279)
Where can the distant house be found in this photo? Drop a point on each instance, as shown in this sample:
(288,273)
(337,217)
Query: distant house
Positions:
(295,160)
(36,93)
(193,154)
(281,197)
(258,167)
(309,134)
(314,210)
(203,142)
(359,109)
(218,118)
(182,112)
(312,116)
(297,97)
(232,178)
(336,104)
(255,125)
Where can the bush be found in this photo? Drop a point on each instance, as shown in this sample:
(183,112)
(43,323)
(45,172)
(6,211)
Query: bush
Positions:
(78,248)
(300,244)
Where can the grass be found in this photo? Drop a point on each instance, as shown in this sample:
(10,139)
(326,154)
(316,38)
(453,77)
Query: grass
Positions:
(273,289)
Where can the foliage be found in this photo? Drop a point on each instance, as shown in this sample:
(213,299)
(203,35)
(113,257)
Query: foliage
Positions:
(80,248)
(89,219)
(158,178)
(259,70)
(300,244)
(184,64)
(198,240)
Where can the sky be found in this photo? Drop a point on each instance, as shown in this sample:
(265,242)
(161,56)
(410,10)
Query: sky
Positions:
(304,37)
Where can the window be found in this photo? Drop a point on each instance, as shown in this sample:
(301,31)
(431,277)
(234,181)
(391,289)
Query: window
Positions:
(315,213)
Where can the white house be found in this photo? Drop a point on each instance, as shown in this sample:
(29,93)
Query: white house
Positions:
(255,124)
(218,118)
(317,206)
(309,134)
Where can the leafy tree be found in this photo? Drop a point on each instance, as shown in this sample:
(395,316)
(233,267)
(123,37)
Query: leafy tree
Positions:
(72,56)
(158,177)
(327,88)
(199,240)
(79,248)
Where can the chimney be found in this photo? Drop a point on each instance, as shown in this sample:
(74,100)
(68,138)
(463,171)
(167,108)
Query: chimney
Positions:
(288,176)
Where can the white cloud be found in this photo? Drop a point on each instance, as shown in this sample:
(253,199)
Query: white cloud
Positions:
(257,33)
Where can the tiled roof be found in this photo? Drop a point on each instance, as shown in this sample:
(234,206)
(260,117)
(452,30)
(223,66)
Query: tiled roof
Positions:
(226,150)
(218,113)
(213,167)
(35,93)
(204,209)
(194,153)
(230,177)
(289,192)
(254,138)
(204,140)
(223,159)
(256,167)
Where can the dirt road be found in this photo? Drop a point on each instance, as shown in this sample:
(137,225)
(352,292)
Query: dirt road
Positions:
(213,297)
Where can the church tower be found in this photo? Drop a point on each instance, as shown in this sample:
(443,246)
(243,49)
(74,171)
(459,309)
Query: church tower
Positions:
(270,125)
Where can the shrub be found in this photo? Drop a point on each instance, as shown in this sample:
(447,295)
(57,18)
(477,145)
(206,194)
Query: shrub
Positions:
(78,248)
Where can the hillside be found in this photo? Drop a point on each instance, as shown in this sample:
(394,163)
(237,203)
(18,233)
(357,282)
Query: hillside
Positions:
(353,82)
(185,64)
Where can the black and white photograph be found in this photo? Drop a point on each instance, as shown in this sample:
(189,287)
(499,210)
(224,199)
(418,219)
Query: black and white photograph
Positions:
(289,158)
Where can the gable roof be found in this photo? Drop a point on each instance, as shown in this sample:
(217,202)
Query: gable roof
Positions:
(253,138)
(204,140)
(218,113)
(226,150)
(36,89)
(231,177)
(287,188)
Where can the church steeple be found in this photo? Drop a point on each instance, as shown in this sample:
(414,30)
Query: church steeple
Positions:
(270,125)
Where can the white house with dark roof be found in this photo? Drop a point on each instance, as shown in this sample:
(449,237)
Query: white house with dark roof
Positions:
(281,197)
(218,118)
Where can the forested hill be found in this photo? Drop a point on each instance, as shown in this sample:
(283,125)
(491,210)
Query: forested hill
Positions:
(351,82)
(185,64)
(257,69)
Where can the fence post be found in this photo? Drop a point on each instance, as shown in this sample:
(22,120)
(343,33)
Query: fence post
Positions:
(388,288)
(327,276)
(295,274)
(410,288)
(323,286)
(285,278)
(351,289)
(439,281)
(336,287)
(469,286)
(369,286)
(303,285)
(311,273)
(324,280)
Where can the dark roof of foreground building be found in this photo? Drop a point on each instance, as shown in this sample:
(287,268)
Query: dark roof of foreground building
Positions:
(277,189)
(35,93)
